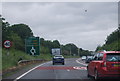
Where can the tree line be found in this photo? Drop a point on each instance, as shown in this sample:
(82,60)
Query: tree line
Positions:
(112,42)
(17,33)
(68,49)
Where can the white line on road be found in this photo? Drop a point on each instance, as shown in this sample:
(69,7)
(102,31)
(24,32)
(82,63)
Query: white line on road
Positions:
(68,70)
(80,62)
(41,65)
(28,72)
(80,68)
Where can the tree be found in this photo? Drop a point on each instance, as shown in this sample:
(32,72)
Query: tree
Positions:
(44,50)
(17,42)
(70,48)
(98,48)
(22,30)
(56,44)
(5,31)
(15,33)
(112,42)
(114,36)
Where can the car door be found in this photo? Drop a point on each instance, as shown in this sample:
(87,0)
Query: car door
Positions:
(92,65)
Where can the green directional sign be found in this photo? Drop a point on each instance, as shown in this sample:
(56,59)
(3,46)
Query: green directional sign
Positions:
(32,45)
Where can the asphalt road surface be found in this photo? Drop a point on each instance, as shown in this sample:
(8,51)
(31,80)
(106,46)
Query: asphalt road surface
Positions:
(74,69)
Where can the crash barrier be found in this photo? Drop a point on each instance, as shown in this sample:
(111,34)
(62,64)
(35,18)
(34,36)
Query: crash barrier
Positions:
(24,62)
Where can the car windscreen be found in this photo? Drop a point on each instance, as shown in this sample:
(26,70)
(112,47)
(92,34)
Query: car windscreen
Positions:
(113,57)
(83,56)
(90,57)
(58,56)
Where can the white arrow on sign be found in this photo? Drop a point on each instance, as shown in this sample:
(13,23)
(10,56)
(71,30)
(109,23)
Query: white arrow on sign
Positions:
(33,51)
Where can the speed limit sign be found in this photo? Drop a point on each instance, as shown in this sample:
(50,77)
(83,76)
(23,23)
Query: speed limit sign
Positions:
(7,44)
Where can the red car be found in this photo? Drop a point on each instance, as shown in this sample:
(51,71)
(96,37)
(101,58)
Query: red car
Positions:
(105,64)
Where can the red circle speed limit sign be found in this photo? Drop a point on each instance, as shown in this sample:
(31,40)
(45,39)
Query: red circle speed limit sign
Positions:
(7,43)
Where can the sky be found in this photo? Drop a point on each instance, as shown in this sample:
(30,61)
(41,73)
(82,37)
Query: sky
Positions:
(85,24)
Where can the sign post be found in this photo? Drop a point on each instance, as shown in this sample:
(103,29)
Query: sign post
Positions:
(32,45)
(7,44)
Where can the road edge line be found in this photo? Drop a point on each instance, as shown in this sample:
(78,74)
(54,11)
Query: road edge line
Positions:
(80,62)
(28,72)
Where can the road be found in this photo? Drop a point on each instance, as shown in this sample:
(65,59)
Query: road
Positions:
(74,69)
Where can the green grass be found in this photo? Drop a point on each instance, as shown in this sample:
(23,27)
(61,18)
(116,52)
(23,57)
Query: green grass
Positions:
(11,59)
(46,56)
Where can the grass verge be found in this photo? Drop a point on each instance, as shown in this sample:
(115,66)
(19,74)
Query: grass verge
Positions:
(11,57)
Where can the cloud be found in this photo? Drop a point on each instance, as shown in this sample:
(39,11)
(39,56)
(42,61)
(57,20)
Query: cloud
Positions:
(85,24)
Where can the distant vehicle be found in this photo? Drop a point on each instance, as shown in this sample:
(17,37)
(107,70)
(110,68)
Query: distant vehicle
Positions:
(83,57)
(55,51)
(58,59)
(105,64)
(88,59)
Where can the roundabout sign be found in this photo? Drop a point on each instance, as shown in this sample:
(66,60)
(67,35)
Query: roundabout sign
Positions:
(32,45)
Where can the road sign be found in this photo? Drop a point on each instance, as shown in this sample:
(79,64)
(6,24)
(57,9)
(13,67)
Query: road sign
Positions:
(7,44)
(32,45)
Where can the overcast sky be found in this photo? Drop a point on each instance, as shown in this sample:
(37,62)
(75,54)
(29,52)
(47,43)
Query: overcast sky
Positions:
(86,24)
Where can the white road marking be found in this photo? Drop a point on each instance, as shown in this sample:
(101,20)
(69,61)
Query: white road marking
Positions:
(41,65)
(80,68)
(80,62)
(28,72)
